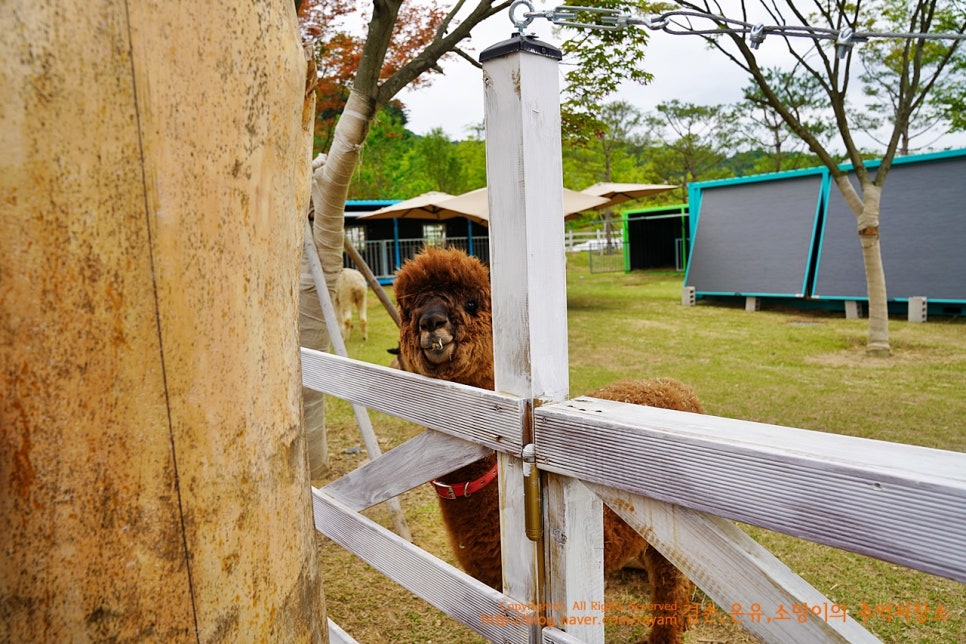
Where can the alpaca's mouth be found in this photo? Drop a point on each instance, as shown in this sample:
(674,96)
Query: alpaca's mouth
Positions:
(437,348)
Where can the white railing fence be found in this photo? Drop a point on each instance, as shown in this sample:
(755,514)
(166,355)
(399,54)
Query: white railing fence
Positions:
(677,476)
(591,240)
(384,256)
(381,255)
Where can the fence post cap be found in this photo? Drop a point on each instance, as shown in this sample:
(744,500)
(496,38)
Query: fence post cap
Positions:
(517,43)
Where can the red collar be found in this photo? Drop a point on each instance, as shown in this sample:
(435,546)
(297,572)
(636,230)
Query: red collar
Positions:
(447,491)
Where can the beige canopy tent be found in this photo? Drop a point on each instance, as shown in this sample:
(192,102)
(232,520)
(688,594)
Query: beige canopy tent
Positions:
(429,205)
(475,201)
(473,205)
(617,193)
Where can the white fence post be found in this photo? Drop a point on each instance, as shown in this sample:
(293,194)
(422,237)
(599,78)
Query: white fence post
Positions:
(528,264)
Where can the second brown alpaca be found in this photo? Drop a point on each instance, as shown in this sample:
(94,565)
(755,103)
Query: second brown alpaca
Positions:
(446,332)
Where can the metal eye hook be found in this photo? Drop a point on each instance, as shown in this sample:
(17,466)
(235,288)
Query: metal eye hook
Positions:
(524,21)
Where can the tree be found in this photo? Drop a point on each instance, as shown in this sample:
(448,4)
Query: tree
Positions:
(149,421)
(381,173)
(471,153)
(610,154)
(434,159)
(622,123)
(371,90)
(944,66)
(397,164)
(819,60)
(598,61)
(374,83)
(689,142)
(337,46)
(767,130)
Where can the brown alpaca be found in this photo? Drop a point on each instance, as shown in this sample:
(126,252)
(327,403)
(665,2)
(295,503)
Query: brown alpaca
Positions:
(446,332)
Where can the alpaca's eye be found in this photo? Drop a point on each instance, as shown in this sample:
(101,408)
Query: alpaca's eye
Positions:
(471,306)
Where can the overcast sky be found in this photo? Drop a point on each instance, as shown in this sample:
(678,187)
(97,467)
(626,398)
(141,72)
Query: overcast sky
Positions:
(683,69)
(681,65)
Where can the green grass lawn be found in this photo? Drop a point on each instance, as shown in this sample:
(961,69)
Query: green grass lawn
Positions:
(790,367)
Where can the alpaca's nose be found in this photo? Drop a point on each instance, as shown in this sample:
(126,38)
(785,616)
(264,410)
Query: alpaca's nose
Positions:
(432,320)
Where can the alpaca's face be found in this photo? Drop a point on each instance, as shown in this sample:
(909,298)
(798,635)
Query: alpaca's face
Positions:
(446,328)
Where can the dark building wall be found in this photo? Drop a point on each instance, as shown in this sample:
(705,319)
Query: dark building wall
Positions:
(653,234)
(652,242)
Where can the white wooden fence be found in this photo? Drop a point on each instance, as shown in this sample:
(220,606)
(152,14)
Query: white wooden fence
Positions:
(591,240)
(674,475)
(678,478)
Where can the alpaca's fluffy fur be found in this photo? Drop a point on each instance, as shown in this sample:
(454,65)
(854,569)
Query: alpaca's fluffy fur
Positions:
(350,292)
(446,332)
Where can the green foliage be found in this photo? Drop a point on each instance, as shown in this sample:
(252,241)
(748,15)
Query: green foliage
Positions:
(613,154)
(948,98)
(397,164)
(433,160)
(954,110)
(471,154)
(889,68)
(597,63)
(763,161)
(690,142)
(381,166)
(763,127)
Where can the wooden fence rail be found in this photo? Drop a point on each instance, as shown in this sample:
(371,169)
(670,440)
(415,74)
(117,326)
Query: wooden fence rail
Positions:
(900,503)
(672,475)
(491,419)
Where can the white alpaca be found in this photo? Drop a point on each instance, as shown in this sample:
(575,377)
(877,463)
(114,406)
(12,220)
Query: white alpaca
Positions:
(350,291)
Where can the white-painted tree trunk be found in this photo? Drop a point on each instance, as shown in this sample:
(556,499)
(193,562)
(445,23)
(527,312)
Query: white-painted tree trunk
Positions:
(330,182)
(330,188)
(866,210)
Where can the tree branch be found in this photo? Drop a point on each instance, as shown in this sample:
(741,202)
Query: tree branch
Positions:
(436,50)
(472,61)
